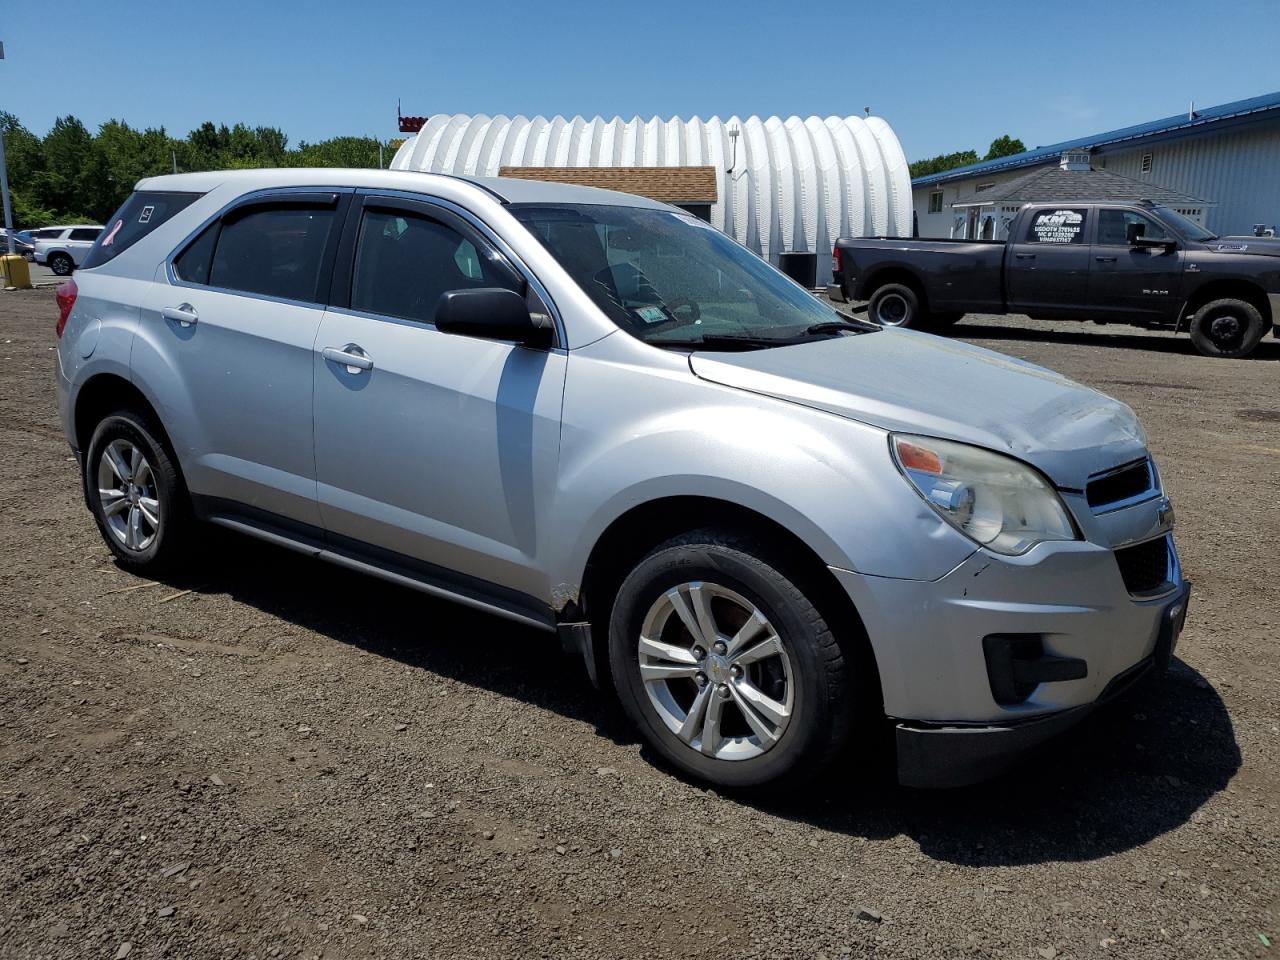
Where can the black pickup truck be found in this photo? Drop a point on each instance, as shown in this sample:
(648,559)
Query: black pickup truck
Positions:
(1137,263)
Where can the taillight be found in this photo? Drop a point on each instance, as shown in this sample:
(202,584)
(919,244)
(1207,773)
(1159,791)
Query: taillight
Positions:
(66,296)
(836,265)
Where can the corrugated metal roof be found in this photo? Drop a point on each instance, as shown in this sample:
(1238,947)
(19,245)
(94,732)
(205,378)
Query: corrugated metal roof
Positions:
(1076,186)
(776,185)
(1028,158)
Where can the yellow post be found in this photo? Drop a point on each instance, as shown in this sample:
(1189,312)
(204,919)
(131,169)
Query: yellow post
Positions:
(16,273)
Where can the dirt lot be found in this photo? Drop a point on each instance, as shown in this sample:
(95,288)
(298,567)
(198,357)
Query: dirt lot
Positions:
(289,760)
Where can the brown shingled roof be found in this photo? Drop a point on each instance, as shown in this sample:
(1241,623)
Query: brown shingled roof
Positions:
(666,184)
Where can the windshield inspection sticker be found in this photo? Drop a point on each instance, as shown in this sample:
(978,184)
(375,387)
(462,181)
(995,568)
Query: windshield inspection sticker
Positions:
(651,314)
(1061,226)
(146,214)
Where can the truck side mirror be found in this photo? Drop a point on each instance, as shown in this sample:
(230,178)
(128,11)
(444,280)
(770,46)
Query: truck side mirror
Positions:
(1133,232)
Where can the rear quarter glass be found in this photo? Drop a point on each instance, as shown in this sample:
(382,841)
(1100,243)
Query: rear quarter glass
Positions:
(141,213)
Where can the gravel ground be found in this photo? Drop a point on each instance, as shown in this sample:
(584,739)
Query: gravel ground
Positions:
(270,757)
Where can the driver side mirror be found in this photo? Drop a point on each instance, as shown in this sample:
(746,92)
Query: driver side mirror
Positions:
(1135,234)
(492,313)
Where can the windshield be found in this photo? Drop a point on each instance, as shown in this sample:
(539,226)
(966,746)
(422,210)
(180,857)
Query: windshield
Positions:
(672,280)
(1189,229)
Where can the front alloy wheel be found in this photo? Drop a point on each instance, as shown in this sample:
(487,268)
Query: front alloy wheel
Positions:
(715,671)
(725,664)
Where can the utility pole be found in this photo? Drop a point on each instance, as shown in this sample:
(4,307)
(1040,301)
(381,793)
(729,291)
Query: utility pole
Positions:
(4,186)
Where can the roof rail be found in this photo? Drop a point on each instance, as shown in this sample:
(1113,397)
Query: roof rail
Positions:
(474,181)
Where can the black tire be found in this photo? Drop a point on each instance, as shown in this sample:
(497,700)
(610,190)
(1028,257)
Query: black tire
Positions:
(172,536)
(1227,328)
(819,684)
(61,264)
(896,305)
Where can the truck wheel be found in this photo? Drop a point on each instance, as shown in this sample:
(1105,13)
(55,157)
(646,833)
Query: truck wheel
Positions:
(895,305)
(1227,328)
(726,667)
(61,264)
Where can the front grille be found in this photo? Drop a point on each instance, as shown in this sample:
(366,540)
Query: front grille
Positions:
(1144,567)
(1122,484)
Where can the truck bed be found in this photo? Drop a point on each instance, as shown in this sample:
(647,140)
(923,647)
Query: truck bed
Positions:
(956,274)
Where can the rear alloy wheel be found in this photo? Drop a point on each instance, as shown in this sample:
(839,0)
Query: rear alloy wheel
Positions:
(128,495)
(1227,328)
(61,264)
(728,670)
(136,493)
(895,305)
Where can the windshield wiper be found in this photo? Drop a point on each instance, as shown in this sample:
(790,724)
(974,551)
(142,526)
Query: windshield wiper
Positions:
(835,326)
(725,341)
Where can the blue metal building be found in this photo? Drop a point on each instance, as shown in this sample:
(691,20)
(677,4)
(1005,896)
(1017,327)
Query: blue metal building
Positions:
(1228,155)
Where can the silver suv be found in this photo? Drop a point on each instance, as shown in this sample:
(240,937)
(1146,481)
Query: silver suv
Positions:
(767,527)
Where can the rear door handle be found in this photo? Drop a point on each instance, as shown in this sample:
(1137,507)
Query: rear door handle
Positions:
(350,356)
(1105,259)
(184,314)
(1025,256)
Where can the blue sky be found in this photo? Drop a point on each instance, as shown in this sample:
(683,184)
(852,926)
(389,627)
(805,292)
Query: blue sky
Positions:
(946,75)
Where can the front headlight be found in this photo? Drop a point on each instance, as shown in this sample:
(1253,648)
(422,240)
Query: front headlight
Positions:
(996,500)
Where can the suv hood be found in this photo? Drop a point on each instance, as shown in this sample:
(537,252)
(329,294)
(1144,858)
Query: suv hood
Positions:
(916,383)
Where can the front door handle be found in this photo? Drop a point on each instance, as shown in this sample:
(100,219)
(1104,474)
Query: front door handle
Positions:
(184,314)
(1105,259)
(1025,256)
(350,356)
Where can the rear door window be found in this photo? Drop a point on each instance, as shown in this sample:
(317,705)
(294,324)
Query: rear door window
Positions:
(193,263)
(85,234)
(274,251)
(141,213)
(1058,225)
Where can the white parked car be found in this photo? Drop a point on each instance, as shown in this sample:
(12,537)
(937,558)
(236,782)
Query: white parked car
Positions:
(63,249)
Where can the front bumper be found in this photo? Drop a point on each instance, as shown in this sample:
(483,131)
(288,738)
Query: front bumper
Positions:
(939,755)
(935,644)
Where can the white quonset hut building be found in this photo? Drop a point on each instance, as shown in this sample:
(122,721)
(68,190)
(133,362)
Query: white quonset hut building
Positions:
(1226,157)
(786,189)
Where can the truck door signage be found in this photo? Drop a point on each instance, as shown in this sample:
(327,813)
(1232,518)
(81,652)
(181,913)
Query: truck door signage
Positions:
(1061,226)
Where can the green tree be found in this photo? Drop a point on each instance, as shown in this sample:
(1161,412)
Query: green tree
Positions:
(70,174)
(338,152)
(1004,146)
(942,163)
